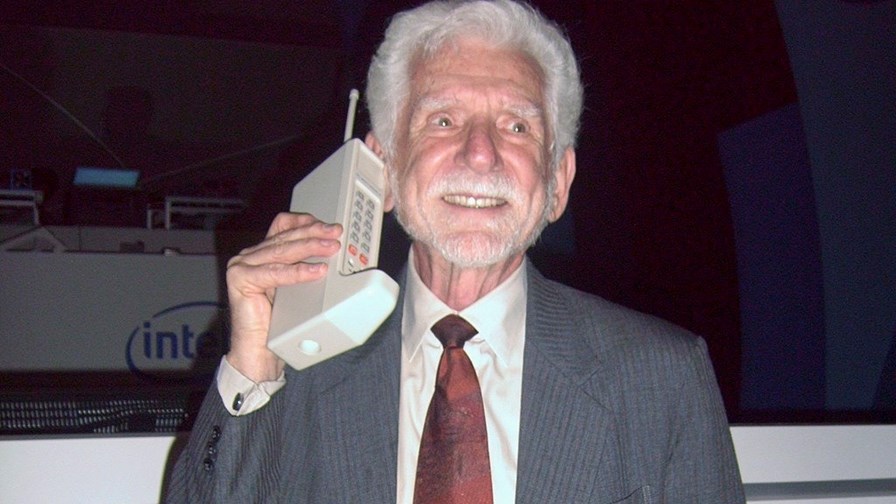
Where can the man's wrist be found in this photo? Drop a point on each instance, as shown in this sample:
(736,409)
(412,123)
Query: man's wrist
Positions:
(240,394)
(258,366)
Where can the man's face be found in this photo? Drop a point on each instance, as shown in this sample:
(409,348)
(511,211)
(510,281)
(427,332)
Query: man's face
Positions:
(470,176)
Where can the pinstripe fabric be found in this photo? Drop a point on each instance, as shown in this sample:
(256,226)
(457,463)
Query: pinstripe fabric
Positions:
(618,407)
(625,408)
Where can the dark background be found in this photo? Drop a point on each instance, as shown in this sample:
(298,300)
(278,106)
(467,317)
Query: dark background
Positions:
(650,223)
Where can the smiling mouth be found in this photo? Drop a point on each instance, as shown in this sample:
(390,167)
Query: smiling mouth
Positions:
(473,202)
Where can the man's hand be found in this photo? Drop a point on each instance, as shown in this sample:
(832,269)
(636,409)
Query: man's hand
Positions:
(255,272)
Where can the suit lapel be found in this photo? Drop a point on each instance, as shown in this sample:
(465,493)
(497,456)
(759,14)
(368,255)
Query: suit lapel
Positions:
(564,429)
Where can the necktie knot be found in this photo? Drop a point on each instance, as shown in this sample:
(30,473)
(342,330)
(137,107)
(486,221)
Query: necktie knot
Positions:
(453,331)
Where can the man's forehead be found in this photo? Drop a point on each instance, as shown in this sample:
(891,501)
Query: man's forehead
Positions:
(468,47)
(463,65)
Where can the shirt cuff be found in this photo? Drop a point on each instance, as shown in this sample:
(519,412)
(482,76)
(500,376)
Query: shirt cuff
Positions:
(241,395)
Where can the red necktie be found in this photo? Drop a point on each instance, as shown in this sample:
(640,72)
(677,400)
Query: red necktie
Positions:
(453,466)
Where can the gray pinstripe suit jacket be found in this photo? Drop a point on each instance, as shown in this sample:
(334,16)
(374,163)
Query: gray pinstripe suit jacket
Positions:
(617,407)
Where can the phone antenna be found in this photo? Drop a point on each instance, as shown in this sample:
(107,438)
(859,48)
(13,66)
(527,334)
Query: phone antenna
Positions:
(353,96)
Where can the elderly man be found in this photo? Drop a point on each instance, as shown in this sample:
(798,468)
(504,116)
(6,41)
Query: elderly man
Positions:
(475,107)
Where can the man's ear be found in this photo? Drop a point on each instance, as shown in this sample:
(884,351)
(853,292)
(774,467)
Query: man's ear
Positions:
(374,144)
(564,173)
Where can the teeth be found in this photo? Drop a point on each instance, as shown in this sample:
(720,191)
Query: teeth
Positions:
(473,202)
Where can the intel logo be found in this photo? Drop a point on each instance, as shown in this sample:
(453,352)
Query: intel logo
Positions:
(185,338)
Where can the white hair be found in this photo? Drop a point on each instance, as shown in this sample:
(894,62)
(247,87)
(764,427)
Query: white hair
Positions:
(419,33)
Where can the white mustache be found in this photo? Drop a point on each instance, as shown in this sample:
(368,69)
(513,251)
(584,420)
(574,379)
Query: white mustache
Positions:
(493,188)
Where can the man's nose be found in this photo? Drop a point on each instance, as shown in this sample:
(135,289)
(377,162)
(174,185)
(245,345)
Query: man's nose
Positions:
(480,150)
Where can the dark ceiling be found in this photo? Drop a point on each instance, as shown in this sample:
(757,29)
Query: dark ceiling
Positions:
(316,23)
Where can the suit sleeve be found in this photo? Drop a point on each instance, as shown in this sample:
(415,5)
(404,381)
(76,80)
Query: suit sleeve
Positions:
(228,458)
(702,466)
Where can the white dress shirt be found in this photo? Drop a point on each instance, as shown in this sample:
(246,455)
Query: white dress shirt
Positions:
(497,356)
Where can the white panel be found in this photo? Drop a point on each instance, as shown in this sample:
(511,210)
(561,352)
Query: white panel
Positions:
(96,470)
(130,469)
(85,311)
(816,453)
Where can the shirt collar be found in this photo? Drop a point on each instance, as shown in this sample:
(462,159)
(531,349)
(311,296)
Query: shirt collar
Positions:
(499,316)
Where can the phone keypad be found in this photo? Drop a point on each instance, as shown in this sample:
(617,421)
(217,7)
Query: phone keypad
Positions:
(360,231)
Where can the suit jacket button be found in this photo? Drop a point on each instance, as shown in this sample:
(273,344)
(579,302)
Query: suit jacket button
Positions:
(216,433)
(208,464)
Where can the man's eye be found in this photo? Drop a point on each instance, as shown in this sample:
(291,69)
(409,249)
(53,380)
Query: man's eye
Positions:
(443,122)
(518,127)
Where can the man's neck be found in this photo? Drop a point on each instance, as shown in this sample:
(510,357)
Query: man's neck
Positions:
(460,287)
